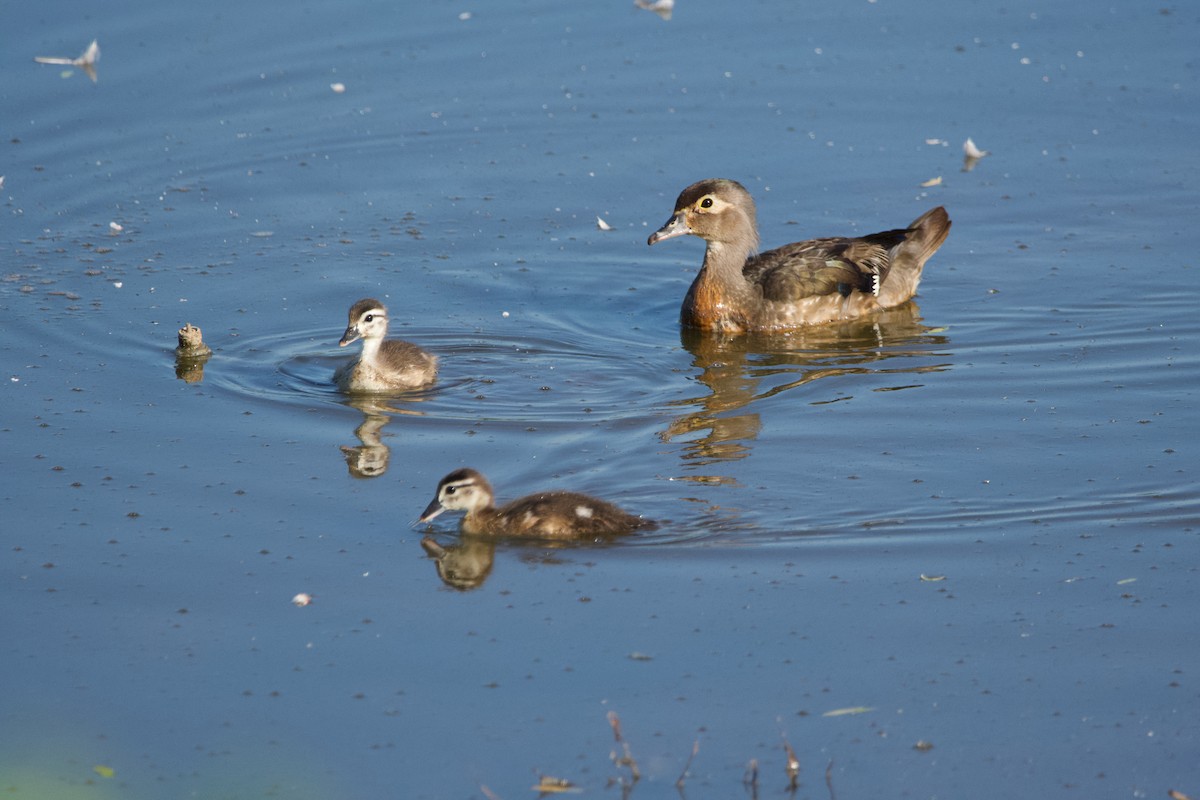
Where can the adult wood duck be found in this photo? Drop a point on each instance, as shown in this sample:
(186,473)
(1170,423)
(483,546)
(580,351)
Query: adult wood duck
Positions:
(385,365)
(545,515)
(805,283)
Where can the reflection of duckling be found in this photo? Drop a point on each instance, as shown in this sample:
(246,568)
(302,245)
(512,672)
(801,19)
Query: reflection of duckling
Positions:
(546,515)
(805,283)
(385,365)
(462,566)
(369,460)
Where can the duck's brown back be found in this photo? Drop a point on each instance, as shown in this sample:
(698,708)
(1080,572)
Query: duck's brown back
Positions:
(554,515)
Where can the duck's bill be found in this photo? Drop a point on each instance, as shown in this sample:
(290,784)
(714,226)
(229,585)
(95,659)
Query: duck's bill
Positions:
(675,227)
(431,511)
(351,335)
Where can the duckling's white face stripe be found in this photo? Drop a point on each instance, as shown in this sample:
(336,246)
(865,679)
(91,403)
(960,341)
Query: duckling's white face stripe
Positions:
(451,488)
(584,512)
(373,317)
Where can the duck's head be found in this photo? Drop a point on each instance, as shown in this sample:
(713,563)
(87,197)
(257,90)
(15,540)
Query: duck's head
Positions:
(717,210)
(368,320)
(461,490)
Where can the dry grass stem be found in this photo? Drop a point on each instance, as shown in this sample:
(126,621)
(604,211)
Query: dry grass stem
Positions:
(626,758)
(683,775)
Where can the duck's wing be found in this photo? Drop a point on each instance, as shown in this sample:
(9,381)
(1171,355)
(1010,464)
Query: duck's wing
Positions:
(823,266)
(565,515)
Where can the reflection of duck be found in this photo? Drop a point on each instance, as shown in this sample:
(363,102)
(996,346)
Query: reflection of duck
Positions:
(465,565)
(385,365)
(805,283)
(733,369)
(546,515)
(370,459)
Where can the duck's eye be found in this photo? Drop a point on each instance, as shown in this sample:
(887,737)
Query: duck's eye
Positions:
(369,318)
(450,490)
(706,202)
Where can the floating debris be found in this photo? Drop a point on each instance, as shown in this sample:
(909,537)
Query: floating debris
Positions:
(923,746)
(104,771)
(661,7)
(338,88)
(191,355)
(933,182)
(842,712)
(191,342)
(302,599)
(116,227)
(86,61)
(550,785)
(602,225)
(971,150)
(932,578)
(972,154)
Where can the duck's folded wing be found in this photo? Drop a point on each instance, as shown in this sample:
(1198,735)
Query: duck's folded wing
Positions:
(823,266)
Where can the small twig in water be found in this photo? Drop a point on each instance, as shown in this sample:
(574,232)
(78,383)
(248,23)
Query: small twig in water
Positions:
(683,775)
(750,779)
(829,779)
(793,767)
(625,760)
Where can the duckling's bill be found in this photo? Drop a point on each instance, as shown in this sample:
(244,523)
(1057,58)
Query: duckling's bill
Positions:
(676,226)
(351,335)
(432,510)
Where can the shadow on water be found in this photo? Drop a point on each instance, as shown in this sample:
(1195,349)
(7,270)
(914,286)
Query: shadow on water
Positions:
(738,371)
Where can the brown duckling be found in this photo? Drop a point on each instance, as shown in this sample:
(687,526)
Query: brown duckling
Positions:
(385,365)
(545,515)
(739,289)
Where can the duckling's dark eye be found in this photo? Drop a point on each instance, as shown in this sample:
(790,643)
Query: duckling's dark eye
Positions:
(706,202)
(449,490)
(369,318)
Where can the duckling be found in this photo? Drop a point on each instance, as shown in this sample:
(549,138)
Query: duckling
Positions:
(805,283)
(545,515)
(385,366)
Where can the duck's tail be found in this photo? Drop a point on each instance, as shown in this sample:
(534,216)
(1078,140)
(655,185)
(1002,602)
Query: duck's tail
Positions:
(923,237)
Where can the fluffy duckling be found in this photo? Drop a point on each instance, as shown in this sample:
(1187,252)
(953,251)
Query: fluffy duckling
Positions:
(385,366)
(805,283)
(545,515)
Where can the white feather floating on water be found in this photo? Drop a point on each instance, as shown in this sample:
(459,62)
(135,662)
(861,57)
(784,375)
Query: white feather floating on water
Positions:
(661,7)
(602,225)
(86,61)
(970,150)
(972,154)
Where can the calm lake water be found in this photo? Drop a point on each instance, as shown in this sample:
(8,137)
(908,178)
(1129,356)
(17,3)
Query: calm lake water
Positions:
(951,551)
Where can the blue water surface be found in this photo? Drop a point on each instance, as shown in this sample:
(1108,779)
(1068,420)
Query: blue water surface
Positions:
(948,551)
